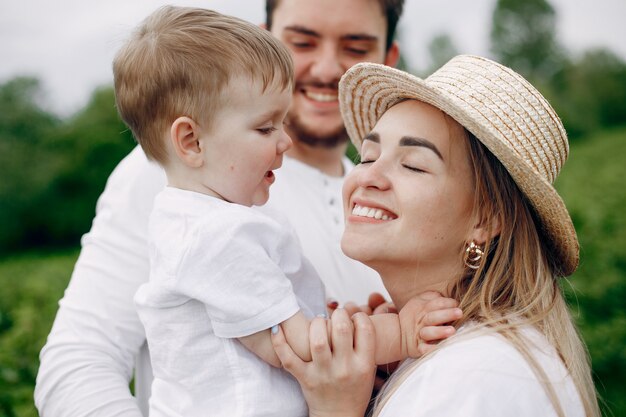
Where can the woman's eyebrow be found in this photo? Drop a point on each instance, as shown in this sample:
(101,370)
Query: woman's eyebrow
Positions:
(373,136)
(425,143)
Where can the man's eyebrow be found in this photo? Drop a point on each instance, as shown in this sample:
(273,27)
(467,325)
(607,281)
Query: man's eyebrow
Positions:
(302,30)
(360,37)
(373,136)
(413,141)
(349,37)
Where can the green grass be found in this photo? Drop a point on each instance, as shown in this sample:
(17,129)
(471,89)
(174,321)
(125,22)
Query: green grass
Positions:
(30,287)
(592,185)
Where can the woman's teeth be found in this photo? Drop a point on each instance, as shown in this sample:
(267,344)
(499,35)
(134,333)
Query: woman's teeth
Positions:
(373,213)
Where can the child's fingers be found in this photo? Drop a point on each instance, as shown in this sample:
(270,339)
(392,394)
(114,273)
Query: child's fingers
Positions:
(318,341)
(434,333)
(439,317)
(429,295)
(440,304)
(385,308)
(342,331)
(351,308)
(290,361)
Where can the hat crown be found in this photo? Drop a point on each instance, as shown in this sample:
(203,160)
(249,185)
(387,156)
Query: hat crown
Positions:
(510,107)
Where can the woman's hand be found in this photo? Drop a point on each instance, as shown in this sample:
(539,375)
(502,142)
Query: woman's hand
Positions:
(338,381)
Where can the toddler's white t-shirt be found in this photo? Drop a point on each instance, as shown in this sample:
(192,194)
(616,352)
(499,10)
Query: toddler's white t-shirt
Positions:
(220,271)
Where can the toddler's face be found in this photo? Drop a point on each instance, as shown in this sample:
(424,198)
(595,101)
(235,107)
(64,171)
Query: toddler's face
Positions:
(246,142)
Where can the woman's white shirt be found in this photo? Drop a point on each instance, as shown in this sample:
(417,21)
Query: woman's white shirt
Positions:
(484,375)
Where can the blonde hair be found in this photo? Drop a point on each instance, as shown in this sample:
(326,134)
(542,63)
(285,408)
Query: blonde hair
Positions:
(517,284)
(179,62)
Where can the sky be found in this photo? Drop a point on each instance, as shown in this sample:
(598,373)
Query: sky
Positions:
(69,44)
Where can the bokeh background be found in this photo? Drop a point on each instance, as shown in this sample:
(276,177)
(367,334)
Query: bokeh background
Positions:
(60,137)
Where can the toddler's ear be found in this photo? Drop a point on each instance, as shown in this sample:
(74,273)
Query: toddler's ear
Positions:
(184,136)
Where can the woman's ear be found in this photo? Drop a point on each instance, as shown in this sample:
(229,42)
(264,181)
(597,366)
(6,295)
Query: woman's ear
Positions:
(485,229)
(185,139)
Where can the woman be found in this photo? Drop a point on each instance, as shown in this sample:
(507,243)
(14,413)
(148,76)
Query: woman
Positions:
(454,194)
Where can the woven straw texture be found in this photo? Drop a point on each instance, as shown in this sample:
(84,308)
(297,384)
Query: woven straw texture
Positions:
(503,110)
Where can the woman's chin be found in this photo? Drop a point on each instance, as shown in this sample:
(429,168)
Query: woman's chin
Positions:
(358,250)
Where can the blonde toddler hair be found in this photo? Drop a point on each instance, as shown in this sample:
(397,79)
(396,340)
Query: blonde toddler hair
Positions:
(179,62)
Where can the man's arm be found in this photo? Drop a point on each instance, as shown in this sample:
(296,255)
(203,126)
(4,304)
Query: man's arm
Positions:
(88,360)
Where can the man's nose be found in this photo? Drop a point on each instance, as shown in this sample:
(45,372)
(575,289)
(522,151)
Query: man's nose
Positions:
(326,66)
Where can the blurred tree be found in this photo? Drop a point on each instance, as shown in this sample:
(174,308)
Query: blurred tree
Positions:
(441,49)
(53,170)
(523,37)
(24,167)
(91,144)
(590,93)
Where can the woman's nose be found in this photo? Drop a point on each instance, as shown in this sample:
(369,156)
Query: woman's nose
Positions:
(374,175)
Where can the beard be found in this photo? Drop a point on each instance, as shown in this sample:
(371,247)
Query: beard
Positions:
(310,137)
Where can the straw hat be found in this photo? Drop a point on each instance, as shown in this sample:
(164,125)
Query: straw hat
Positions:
(503,110)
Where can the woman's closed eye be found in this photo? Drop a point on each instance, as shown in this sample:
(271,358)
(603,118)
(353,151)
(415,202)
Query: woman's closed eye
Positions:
(266,130)
(413,168)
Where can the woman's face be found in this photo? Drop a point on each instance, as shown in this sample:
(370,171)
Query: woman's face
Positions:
(408,204)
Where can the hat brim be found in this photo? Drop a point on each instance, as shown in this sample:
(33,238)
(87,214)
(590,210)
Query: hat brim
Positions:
(368,90)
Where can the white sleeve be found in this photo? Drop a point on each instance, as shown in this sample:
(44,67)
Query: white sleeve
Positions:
(87,362)
(242,283)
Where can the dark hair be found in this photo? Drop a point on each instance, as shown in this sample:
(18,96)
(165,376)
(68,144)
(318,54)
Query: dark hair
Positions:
(392,9)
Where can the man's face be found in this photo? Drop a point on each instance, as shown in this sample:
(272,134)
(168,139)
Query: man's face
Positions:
(326,37)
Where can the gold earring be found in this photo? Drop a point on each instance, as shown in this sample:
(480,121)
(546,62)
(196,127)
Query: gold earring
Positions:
(473,256)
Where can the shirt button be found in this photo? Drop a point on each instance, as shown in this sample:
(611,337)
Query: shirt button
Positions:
(332,202)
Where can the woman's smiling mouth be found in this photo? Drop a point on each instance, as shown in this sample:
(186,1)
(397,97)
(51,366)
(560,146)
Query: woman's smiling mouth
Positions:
(372,213)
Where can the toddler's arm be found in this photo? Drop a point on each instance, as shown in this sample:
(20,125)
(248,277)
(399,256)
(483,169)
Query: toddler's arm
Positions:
(398,336)
(412,331)
(296,329)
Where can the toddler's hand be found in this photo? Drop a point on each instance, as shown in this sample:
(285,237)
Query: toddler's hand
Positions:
(424,322)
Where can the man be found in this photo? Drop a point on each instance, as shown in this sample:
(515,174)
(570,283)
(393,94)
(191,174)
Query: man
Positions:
(97,339)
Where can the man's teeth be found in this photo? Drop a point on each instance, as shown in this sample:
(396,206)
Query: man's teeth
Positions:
(321,96)
(373,213)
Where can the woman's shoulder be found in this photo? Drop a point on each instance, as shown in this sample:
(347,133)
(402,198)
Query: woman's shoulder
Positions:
(481,373)
(476,349)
